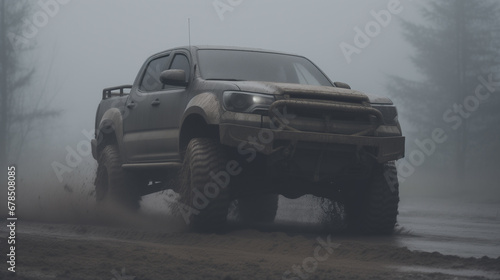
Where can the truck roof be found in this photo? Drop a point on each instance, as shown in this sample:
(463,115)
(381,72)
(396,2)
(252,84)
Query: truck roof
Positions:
(215,47)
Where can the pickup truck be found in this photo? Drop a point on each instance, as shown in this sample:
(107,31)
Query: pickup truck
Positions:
(224,124)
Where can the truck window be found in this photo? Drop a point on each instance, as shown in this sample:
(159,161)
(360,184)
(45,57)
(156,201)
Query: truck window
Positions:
(238,65)
(181,62)
(151,79)
(305,77)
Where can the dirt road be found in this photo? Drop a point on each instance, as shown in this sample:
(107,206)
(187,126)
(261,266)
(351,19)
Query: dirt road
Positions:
(153,246)
(93,252)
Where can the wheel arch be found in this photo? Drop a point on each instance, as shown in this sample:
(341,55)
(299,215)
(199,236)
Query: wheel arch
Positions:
(201,119)
(110,131)
(196,126)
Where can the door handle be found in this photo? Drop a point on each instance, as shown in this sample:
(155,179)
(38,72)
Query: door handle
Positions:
(131,105)
(156,102)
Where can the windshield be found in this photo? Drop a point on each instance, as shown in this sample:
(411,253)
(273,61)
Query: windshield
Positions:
(235,65)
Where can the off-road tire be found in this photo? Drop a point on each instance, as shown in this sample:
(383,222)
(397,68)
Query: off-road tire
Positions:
(375,210)
(113,184)
(258,209)
(204,157)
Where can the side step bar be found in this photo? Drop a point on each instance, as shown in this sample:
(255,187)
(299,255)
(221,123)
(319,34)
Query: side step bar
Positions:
(152,165)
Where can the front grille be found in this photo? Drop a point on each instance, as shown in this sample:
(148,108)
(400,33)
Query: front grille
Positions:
(337,113)
(339,97)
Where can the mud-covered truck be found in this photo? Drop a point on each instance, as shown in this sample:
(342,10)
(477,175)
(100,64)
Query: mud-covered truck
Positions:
(223,124)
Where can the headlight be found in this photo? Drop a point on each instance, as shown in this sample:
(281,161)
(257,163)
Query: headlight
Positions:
(389,112)
(246,102)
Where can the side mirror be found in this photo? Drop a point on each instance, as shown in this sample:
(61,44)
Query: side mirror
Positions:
(342,85)
(173,77)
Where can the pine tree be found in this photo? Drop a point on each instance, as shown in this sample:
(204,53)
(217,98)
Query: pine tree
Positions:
(12,75)
(456,49)
(16,118)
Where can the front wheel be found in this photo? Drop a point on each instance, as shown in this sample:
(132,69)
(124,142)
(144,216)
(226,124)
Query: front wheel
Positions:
(375,209)
(205,183)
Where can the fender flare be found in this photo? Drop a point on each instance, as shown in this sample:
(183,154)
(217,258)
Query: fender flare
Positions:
(206,105)
(111,122)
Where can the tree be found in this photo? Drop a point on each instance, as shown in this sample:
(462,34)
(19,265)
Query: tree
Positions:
(16,118)
(456,50)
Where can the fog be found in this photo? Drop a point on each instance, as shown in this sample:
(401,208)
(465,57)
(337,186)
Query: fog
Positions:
(88,45)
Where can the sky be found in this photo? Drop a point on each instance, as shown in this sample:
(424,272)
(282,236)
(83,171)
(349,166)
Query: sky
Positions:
(83,46)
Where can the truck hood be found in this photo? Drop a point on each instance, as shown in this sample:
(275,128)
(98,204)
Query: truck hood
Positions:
(283,88)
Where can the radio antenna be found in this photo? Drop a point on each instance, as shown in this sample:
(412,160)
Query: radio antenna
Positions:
(189,31)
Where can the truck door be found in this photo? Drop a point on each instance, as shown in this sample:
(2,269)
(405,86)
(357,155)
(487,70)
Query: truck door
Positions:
(154,122)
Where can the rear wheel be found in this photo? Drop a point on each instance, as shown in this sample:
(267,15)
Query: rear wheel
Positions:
(258,209)
(205,185)
(113,184)
(375,209)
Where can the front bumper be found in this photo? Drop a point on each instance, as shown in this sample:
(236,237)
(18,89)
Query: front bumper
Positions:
(263,139)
